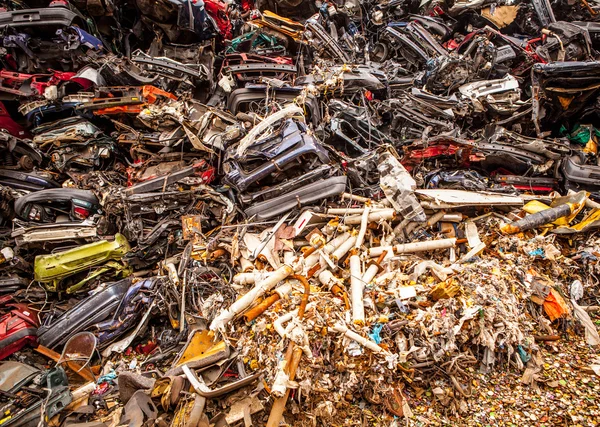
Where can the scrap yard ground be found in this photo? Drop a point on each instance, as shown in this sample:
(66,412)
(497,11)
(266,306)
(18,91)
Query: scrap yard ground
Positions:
(305,213)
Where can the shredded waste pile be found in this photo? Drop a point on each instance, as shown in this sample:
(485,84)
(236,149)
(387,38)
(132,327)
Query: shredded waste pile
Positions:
(299,213)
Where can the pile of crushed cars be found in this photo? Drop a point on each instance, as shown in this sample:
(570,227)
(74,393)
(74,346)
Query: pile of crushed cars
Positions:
(296,212)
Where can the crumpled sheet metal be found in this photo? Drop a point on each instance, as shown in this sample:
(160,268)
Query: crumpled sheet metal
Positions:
(340,206)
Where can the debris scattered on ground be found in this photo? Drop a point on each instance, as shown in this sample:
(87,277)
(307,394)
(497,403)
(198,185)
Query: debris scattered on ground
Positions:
(304,213)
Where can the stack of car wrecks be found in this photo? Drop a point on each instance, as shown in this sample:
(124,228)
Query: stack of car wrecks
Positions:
(296,212)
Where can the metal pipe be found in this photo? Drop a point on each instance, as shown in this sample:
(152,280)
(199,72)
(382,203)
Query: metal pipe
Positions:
(225,316)
(305,294)
(412,247)
(540,218)
(363,228)
(336,242)
(260,308)
(343,248)
(348,196)
(279,404)
(373,269)
(288,257)
(435,218)
(334,285)
(246,265)
(330,229)
(452,217)
(217,254)
(352,211)
(249,278)
(313,258)
(383,214)
(182,314)
(279,322)
(356,291)
(293,355)
(343,329)
(327,279)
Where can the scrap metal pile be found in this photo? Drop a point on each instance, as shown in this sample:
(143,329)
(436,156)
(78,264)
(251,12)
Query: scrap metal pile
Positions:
(304,213)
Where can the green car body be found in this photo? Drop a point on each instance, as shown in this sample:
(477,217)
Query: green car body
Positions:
(51,269)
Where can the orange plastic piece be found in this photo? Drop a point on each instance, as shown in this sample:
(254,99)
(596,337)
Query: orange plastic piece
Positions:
(555,306)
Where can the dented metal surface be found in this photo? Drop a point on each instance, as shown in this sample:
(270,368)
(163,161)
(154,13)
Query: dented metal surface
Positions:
(297,211)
